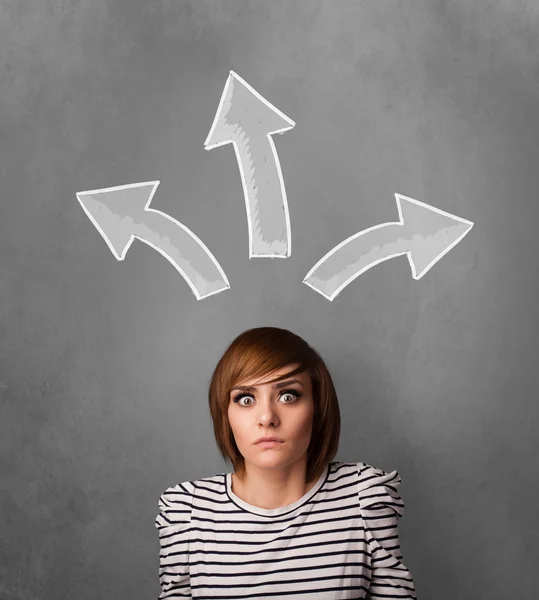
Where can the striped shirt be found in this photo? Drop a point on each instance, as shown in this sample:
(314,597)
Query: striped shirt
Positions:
(339,541)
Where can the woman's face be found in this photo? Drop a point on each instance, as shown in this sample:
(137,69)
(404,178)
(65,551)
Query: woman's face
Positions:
(283,409)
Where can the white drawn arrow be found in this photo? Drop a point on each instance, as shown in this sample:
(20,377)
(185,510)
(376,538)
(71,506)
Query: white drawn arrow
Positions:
(247,120)
(424,233)
(121,214)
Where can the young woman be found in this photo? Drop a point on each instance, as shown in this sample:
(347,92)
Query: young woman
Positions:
(288,522)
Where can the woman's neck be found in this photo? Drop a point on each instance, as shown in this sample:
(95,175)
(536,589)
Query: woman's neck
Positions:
(277,492)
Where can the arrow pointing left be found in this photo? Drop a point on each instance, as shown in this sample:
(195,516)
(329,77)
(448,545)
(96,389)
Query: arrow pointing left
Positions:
(121,214)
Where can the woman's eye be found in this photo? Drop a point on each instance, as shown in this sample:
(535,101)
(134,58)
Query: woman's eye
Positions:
(292,394)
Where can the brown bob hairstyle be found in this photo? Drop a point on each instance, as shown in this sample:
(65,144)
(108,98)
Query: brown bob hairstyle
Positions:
(257,353)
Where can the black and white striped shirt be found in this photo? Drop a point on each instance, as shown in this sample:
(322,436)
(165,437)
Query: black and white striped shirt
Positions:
(339,541)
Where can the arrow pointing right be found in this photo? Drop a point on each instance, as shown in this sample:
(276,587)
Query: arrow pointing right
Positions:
(424,233)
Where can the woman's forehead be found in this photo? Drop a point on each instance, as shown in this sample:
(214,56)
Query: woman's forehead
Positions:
(262,381)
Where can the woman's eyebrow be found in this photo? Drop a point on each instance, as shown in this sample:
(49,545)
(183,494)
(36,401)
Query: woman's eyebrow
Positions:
(250,388)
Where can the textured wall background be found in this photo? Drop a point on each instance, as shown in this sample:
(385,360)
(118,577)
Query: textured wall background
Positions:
(104,365)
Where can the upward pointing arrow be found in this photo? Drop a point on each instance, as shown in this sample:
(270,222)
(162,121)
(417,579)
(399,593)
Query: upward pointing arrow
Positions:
(424,233)
(121,214)
(247,120)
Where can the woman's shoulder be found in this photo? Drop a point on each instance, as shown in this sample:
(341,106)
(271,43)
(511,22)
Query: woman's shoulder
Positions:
(374,485)
(377,487)
(175,505)
(181,494)
(368,475)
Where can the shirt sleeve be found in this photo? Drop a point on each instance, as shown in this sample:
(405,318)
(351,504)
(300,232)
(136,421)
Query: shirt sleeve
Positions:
(381,506)
(173,523)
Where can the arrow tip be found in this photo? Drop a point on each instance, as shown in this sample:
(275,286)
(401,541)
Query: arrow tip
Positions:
(431,232)
(242,111)
(115,210)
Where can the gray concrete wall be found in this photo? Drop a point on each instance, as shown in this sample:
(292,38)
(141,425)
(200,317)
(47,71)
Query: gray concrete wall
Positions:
(104,364)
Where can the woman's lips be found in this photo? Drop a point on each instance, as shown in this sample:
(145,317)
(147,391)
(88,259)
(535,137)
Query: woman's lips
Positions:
(269,444)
